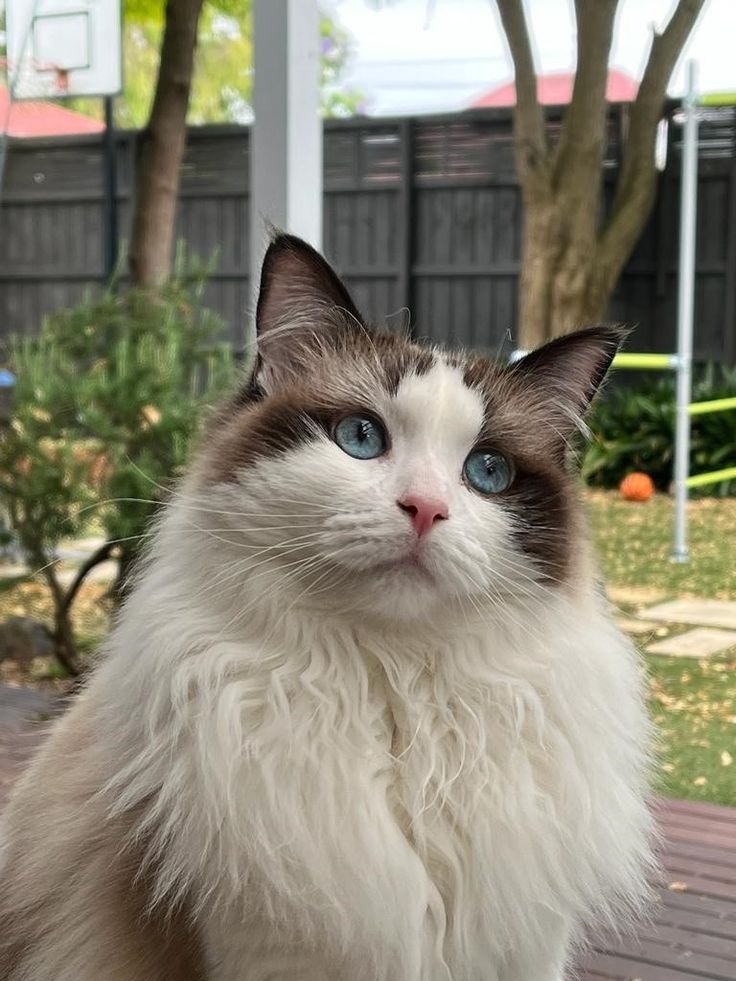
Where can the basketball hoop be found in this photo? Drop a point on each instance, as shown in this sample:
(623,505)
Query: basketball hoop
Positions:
(61,49)
(58,78)
(41,80)
(62,81)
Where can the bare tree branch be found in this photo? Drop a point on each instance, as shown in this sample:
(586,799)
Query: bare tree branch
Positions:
(530,134)
(637,180)
(101,555)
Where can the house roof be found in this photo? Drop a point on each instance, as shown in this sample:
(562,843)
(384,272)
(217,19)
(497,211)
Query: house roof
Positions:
(43,119)
(555,89)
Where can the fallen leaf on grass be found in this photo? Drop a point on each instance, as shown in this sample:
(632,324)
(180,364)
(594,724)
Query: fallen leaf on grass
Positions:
(700,781)
(726,758)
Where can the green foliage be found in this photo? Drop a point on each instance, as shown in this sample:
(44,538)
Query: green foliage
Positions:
(108,399)
(42,479)
(223,77)
(634,429)
(337,101)
(138,367)
(692,702)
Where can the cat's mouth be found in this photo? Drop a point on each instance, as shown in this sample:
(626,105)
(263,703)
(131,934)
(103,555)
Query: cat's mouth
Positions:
(411,564)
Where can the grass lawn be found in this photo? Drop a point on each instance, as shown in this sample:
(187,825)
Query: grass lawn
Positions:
(635,542)
(693,703)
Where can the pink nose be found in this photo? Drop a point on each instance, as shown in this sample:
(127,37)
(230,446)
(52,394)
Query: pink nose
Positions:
(423,511)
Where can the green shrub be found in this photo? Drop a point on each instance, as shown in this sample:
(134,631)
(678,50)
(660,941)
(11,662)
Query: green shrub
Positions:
(634,429)
(107,400)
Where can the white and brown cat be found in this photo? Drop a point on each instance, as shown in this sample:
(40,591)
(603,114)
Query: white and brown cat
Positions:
(364,716)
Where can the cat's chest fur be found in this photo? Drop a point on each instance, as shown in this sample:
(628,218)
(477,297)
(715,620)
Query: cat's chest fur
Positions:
(411,800)
(414,804)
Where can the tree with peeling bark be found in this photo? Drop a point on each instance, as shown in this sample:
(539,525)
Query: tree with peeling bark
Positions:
(573,254)
(162,151)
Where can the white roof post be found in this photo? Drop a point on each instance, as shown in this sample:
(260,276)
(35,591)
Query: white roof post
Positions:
(286,136)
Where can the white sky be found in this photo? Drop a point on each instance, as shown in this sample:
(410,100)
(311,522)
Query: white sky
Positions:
(435,55)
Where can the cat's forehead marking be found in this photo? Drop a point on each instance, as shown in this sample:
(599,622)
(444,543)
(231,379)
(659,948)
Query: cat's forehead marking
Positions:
(440,402)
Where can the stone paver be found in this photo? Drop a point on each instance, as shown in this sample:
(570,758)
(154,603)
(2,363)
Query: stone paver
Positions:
(21,729)
(702,612)
(701,642)
(636,627)
(635,595)
(12,570)
(17,705)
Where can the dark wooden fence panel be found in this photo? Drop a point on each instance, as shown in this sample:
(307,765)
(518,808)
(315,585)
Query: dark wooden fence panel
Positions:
(420,215)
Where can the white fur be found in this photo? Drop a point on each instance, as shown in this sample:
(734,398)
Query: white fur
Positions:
(367,773)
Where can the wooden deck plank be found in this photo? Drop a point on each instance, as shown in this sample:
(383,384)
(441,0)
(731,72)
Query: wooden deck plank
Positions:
(664,805)
(703,905)
(674,819)
(688,919)
(692,850)
(700,836)
(690,938)
(657,953)
(692,933)
(673,826)
(704,886)
(614,967)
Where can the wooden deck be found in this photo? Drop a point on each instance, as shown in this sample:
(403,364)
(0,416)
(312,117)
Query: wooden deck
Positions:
(693,936)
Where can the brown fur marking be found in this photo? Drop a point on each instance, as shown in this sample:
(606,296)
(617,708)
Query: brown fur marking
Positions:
(73,904)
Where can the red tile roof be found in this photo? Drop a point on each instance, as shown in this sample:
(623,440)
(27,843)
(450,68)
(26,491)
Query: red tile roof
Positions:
(555,89)
(44,119)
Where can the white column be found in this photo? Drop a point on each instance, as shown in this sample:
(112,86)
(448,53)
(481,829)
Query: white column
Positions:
(286,138)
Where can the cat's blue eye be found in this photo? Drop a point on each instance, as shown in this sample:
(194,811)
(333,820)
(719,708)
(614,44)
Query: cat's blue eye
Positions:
(361,437)
(488,471)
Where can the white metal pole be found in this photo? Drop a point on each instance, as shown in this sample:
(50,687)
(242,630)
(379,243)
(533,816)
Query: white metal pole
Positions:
(685,308)
(286,136)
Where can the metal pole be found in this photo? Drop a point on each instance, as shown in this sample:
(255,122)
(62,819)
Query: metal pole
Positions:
(685,304)
(111,197)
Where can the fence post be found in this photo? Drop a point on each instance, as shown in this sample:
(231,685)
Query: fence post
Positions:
(685,302)
(406,221)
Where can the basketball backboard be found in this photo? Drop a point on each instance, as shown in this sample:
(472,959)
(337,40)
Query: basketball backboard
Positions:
(64,48)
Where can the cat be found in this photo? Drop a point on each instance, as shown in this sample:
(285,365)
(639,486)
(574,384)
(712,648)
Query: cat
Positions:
(364,715)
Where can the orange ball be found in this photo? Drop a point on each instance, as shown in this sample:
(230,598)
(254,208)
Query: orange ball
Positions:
(637,487)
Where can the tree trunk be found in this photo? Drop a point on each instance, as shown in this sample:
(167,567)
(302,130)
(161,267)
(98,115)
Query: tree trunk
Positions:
(561,291)
(537,276)
(164,139)
(565,282)
(578,299)
(571,260)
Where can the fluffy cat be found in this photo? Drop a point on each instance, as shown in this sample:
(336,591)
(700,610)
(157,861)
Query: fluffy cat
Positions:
(364,715)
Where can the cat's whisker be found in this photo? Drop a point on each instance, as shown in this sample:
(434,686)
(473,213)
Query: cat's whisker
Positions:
(246,566)
(183,506)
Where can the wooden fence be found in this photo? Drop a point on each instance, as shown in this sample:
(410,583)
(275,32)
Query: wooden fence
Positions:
(420,214)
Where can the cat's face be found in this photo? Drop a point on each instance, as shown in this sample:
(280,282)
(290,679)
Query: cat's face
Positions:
(360,472)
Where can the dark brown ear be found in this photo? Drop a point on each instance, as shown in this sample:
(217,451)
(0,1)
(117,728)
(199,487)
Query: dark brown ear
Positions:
(562,377)
(302,305)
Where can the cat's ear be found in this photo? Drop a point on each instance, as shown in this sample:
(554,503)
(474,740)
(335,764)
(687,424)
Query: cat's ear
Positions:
(562,377)
(303,306)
